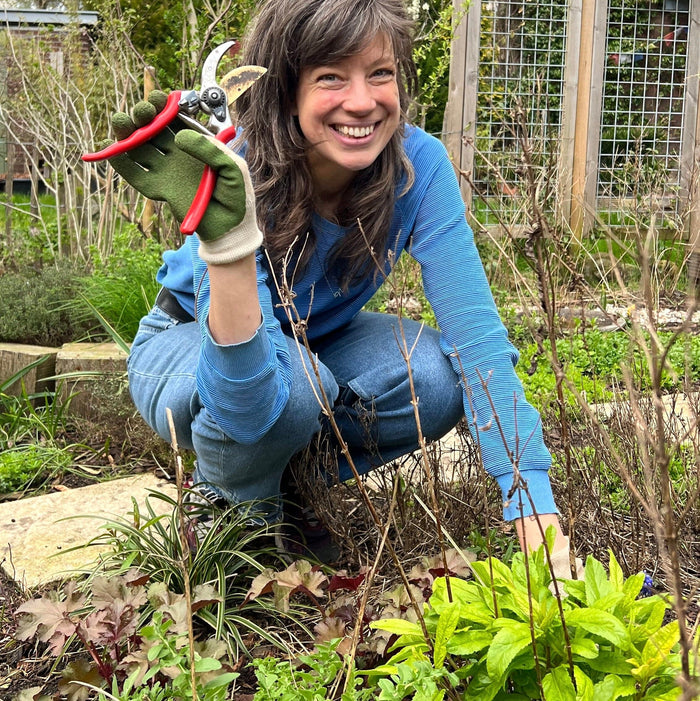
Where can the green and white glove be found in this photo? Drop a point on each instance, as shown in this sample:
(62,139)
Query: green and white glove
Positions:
(168,168)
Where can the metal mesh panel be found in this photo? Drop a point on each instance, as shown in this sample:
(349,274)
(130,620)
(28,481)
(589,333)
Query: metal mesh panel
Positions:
(521,67)
(643,103)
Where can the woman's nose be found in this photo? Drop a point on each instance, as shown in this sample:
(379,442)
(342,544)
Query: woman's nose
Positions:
(359,97)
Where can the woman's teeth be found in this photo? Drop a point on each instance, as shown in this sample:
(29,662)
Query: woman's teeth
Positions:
(355,132)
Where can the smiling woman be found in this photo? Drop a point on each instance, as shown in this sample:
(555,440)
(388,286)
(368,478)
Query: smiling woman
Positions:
(348,112)
(327,173)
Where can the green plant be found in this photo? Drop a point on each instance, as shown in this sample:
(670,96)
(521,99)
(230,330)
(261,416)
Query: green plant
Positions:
(34,235)
(314,677)
(123,655)
(26,466)
(506,635)
(35,305)
(122,287)
(229,554)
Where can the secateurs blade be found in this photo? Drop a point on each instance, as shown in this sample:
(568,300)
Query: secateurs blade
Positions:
(214,100)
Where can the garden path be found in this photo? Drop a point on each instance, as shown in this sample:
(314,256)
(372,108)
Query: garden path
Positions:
(36,533)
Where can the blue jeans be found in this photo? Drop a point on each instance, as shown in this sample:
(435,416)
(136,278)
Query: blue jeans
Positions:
(364,377)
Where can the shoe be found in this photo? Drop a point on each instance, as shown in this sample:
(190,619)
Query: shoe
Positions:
(302,534)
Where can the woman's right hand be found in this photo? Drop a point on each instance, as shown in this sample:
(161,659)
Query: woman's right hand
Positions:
(168,168)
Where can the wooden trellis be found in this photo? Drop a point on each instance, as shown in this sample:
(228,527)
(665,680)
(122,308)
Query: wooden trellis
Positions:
(606,90)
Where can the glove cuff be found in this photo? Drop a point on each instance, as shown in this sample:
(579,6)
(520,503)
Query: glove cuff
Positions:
(232,246)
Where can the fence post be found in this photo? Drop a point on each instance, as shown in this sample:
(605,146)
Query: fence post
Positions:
(459,123)
(9,187)
(690,174)
(694,209)
(34,179)
(583,103)
(149,84)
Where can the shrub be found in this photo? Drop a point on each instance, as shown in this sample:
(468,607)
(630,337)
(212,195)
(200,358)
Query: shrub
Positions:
(507,635)
(35,307)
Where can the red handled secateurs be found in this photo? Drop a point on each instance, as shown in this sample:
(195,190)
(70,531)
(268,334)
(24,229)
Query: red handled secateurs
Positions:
(213,99)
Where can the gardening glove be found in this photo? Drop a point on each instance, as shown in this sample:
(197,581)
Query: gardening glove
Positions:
(561,566)
(168,168)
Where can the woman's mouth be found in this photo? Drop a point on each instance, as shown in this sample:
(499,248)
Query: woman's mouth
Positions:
(353,131)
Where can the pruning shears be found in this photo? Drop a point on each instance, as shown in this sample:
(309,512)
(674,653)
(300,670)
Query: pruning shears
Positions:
(212,99)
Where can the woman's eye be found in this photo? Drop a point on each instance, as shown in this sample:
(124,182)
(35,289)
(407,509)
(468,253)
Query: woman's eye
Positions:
(384,73)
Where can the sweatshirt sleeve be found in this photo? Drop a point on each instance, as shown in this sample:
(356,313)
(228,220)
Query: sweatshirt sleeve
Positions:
(244,386)
(507,428)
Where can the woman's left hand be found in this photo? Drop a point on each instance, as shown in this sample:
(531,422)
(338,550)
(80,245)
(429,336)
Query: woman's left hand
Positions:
(530,530)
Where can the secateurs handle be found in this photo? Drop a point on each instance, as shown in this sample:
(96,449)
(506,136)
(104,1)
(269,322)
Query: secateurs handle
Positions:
(142,134)
(204,191)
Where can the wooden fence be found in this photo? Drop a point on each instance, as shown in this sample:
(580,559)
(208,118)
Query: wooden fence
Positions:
(606,90)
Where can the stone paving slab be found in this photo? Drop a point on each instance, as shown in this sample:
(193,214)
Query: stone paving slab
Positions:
(681,413)
(34,538)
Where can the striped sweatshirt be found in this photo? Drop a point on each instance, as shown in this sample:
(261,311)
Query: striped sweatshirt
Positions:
(245,386)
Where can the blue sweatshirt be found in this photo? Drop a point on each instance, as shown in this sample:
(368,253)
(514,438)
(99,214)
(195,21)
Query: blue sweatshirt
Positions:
(246,386)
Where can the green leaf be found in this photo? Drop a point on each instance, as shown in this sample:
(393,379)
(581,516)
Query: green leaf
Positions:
(655,653)
(220,680)
(610,662)
(397,626)
(513,637)
(445,628)
(467,642)
(660,643)
(585,648)
(206,664)
(558,686)
(617,578)
(483,570)
(613,687)
(633,585)
(584,686)
(597,584)
(600,623)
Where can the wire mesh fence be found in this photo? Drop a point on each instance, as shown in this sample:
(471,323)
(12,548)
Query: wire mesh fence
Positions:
(607,99)
(642,117)
(521,64)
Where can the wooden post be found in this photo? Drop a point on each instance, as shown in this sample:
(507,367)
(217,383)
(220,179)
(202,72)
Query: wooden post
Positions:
(459,123)
(568,123)
(9,188)
(149,84)
(694,210)
(690,164)
(34,177)
(583,103)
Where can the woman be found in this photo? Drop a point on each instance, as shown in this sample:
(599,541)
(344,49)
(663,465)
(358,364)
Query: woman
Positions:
(334,185)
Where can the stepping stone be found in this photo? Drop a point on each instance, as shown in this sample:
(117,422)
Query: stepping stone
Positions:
(33,538)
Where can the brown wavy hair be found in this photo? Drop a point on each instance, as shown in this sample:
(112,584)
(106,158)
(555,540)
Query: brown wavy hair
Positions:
(287,36)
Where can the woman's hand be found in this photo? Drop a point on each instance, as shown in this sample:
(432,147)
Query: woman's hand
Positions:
(169,167)
(530,530)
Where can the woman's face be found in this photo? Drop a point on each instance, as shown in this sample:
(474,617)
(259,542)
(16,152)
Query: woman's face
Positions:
(348,112)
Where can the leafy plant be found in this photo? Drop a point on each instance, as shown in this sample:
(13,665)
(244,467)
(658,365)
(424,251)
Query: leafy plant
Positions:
(125,655)
(123,286)
(340,615)
(35,308)
(507,635)
(228,554)
(313,677)
(26,466)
